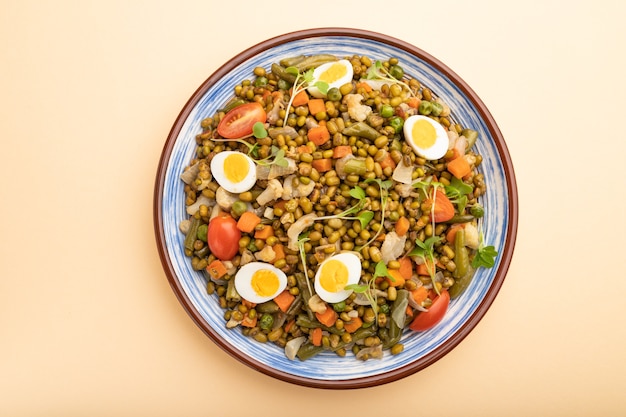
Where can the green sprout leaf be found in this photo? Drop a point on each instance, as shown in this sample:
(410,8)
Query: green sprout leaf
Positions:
(485,256)
(365,218)
(426,251)
(377,71)
(259,131)
(457,192)
(357,192)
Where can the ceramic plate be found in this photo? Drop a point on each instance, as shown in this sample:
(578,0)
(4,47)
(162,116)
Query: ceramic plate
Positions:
(329,370)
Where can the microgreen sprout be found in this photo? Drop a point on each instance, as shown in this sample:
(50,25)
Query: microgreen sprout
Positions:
(384,196)
(368,289)
(277,155)
(457,192)
(363,217)
(379,72)
(485,256)
(303,80)
(426,251)
(302,239)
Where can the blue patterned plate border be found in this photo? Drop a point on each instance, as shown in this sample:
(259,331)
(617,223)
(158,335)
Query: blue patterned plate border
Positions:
(328,370)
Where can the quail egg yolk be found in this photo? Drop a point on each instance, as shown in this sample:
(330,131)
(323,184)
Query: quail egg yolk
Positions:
(333,73)
(334,276)
(423,134)
(236,167)
(264,283)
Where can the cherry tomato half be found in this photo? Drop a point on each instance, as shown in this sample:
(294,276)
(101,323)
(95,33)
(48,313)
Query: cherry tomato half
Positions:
(223,237)
(238,122)
(427,319)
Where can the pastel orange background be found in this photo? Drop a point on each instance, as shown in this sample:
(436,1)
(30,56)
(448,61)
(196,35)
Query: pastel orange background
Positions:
(88,322)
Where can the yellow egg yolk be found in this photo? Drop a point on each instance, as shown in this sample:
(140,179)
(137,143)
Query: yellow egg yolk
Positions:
(264,283)
(334,276)
(423,134)
(333,73)
(236,167)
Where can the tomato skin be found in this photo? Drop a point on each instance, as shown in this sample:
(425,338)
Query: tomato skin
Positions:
(239,121)
(428,319)
(223,237)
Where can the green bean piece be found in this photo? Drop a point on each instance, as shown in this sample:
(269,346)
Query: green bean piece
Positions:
(295,306)
(291,61)
(304,321)
(471,136)
(398,311)
(461,257)
(460,218)
(463,273)
(282,74)
(304,292)
(308,350)
(267,307)
(355,166)
(314,61)
(192,234)
(361,130)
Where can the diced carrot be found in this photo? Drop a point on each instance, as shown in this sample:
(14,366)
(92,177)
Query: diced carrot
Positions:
(387,162)
(216,269)
(402,226)
(414,102)
(264,232)
(341,151)
(328,317)
(316,336)
(353,324)
(284,300)
(419,294)
(248,221)
(300,99)
(304,149)
(249,322)
(279,250)
(425,268)
(398,280)
(316,105)
(459,167)
(451,234)
(406,267)
(409,311)
(289,325)
(365,86)
(443,209)
(319,135)
(247,303)
(322,165)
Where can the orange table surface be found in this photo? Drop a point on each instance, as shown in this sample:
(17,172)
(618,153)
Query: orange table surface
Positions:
(88,322)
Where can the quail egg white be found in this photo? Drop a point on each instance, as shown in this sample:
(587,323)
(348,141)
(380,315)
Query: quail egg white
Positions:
(334,274)
(426,136)
(259,282)
(234,171)
(335,74)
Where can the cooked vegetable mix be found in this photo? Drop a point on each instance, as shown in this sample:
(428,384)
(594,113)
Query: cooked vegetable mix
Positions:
(333,204)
